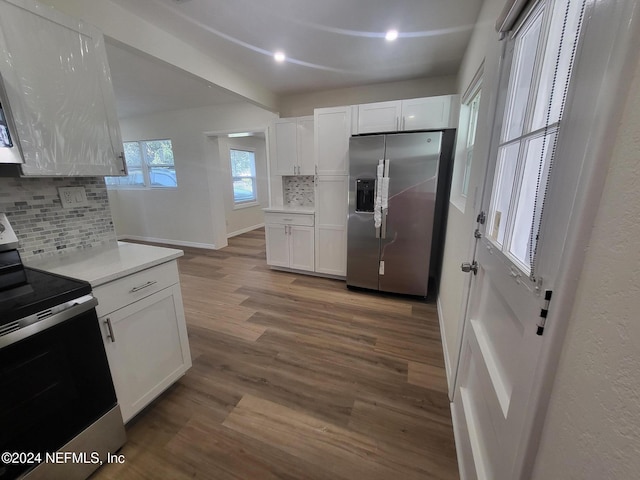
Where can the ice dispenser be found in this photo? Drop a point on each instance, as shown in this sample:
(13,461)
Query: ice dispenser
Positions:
(365,195)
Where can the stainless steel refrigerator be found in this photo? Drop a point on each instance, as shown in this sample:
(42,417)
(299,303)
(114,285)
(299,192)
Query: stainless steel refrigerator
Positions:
(393,187)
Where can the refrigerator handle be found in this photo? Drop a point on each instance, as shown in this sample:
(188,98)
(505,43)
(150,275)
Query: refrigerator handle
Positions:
(385,203)
(384,224)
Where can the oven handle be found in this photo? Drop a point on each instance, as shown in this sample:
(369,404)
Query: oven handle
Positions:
(32,324)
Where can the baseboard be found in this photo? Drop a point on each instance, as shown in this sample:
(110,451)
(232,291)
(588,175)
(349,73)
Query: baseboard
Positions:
(244,230)
(179,243)
(445,350)
(308,272)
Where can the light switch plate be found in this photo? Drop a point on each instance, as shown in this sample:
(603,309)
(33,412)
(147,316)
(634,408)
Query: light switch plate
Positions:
(73,197)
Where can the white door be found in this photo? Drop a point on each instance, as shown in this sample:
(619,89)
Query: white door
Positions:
(426,113)
(331,225)
(379,117)
(147,348)
(286,146)
(277,239)
(301,241)
(306,159)
(332,128)
(501,343)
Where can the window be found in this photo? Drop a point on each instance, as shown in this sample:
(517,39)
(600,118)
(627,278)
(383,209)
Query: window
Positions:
(150,163)
(243,174)
(473,105)
(541,51)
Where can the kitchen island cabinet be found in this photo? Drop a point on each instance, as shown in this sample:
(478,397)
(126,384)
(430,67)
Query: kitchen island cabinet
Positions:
(141,316)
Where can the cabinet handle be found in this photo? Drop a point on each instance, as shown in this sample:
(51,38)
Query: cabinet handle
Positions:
(143,286)
(124,162)
(110,328)
(288,219)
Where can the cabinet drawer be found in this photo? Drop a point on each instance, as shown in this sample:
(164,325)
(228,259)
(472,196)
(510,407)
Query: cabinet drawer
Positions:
(124,291)
(289,219)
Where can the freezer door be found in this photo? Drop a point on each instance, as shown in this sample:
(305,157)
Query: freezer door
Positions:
(363,248)
(413,177)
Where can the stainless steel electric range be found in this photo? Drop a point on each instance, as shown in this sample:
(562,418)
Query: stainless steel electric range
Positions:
(56,392)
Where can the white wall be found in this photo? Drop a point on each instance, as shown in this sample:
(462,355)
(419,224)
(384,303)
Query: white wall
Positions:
(302,104)
(243,219)
(592,427)
(193,213)
(460,224)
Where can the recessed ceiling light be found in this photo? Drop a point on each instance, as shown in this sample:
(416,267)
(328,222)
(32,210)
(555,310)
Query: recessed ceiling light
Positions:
(279,56)
(391,35)
(240,134)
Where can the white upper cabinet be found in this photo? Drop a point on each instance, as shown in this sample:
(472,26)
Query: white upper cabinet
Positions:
(427,113)
(379,117)
(332,132)
(294,146)
(430,113)
(58,86)
(306,160)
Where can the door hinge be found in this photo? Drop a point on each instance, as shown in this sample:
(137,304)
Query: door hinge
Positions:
(482,217)
(544,311)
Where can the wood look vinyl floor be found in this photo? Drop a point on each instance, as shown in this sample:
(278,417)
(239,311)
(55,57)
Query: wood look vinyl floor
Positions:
(295,377)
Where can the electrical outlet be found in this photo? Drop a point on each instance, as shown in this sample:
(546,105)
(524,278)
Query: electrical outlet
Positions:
(73,197)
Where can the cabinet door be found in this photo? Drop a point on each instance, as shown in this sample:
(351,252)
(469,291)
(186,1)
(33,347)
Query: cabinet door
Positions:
(332,131)
(379,117)
(149,349)
(58,84)
(306,160)
(331,225)
(286,146)
(301,241)
(277,245)
(426,113)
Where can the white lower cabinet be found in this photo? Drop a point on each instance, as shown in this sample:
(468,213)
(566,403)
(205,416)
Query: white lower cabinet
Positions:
(145,339)
(290,241)
(331,225)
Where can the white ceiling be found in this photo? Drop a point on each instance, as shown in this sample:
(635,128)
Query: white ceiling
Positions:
(145,85)
(328,43)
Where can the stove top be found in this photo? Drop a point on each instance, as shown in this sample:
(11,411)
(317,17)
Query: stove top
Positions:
(42,290)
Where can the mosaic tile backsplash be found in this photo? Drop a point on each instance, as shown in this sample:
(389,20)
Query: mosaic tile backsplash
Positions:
(298,191)
(43,227)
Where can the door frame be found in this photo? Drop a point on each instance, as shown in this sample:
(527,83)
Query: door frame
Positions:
(606,58)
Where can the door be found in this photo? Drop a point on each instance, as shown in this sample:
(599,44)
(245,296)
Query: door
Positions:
(426,113)
(501,345)
(146,348)
(363,245)
(306,160)
(407,226)
(59,87)
(332,131)
(301,241)
(286,146)
(379,117)
(277,245)
(331,225)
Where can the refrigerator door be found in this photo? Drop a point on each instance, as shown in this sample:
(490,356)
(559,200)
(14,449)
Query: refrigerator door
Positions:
(413,177)
(363,248)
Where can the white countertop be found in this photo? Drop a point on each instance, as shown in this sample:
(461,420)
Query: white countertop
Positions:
(100,265)
(291,209)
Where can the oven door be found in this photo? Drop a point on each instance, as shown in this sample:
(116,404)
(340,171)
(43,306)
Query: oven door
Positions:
(53,384)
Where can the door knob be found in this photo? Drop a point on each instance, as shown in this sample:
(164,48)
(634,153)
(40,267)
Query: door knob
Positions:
(467,267)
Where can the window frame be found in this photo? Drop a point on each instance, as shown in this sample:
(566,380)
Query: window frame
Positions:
(247,203)
(462,165)
(146,168)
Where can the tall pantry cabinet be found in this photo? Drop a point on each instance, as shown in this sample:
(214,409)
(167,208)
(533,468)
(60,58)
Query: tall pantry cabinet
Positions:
(332,131)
